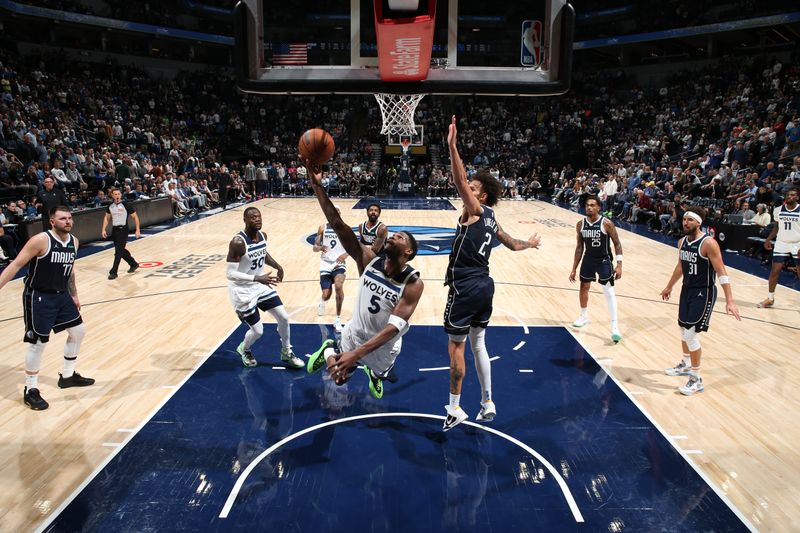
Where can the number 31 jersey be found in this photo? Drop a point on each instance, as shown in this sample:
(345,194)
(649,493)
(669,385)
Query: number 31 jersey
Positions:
(472,246)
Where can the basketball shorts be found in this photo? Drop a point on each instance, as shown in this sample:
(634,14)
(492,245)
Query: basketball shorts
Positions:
(696,305)
(597,270)
(469,306)
(248,299)
(329,271)
(380,361)
(45,312)
(782,250)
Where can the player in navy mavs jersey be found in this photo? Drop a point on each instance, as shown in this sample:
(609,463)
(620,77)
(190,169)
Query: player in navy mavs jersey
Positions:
(469,300)
(389,290)
(699,262)
(372,232)
(50,302)
(595,235)
(250,289)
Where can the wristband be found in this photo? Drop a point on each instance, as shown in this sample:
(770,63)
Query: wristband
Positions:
(724,280)
(619,258)
(397,322)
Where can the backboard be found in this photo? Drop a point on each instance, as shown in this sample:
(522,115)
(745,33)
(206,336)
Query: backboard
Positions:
(476,47)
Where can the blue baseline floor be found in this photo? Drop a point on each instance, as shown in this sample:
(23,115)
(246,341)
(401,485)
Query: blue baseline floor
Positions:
(422,204)
(400,473)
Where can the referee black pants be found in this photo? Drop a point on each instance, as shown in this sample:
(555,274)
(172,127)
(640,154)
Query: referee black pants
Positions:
(120,236)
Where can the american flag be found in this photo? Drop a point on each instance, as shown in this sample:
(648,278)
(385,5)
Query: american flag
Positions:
(290,54)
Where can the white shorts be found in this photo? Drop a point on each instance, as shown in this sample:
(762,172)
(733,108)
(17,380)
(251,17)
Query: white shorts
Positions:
(379,361)
(782,248)
(246,297)
(327,267)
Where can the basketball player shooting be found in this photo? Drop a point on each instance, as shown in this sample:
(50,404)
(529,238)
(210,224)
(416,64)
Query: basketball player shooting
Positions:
(389,290)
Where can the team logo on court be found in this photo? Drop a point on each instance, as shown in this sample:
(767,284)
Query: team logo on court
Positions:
(430,240)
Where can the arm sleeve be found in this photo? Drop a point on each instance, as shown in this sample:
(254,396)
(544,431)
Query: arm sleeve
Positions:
(234,275)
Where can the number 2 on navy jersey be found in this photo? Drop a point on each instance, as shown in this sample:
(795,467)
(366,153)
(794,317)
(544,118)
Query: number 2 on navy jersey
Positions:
(482,250)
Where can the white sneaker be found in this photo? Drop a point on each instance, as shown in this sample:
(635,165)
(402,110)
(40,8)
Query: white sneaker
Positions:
(692,386)
(288,357)
(454,417)
(321,309)
(681,369)
(581,321)
(337,325)
(488,412)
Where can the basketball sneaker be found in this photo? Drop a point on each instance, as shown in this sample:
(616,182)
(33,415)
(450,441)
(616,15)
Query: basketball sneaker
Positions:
(692,386)
(34,400)
(247,356)
(375,383)
(615,335)
(454,417)
(75,380)
(321,308)
(316,360)
(767,303)
(488,412)
(288,357)
(337,325)
(581,321)
(681,369)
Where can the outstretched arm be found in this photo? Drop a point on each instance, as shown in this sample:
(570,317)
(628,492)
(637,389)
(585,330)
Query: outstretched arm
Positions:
(517,244)
(346,236)
(471,203)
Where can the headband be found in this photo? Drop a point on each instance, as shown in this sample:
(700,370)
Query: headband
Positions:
(693,216)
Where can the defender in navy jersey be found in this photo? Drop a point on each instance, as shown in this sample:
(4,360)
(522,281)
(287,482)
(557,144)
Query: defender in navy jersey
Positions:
(469,300)
(50,302)
(251,289)
(595,235)
(389,290)
(786,237)
(699,263)
(372,232)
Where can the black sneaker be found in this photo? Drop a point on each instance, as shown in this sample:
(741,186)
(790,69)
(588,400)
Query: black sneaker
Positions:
(75,380)
(112,275)
(133,269)
(34,400)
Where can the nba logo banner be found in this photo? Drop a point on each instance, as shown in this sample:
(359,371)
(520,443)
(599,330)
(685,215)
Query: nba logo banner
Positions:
(531,54)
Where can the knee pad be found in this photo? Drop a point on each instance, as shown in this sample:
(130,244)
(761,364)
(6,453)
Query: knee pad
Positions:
(257,328)
(77,333)
(476,335)
(608,289)
(690,338)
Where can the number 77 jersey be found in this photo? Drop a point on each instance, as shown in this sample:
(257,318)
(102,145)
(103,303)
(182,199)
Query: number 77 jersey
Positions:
(472,246)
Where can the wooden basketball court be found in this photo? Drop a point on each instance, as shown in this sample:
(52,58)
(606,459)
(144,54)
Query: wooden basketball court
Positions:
(148,331)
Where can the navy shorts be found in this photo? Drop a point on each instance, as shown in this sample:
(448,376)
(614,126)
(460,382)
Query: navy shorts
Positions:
(326,279)
(45,312)
(251,316)
(597,270)
(695,307)
(470,306)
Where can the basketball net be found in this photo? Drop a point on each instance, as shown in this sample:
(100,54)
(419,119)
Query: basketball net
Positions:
(397,111)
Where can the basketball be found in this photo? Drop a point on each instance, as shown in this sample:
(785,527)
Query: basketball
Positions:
(316,146)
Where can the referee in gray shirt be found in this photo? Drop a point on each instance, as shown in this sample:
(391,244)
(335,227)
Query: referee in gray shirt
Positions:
(118,212)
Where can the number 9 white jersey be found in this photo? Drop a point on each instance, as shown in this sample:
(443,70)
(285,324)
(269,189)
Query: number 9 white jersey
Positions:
(335,247)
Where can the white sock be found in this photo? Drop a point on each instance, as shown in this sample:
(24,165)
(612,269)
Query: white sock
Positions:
(687,360)
(282,317)
(482,364)
(771,296)
(695,372)
(454,400)
(253,334)
(584,312)
(611,301)
(33,363)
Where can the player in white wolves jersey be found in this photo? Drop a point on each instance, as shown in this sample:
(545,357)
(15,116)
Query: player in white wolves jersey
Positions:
(251,289)
(389,290)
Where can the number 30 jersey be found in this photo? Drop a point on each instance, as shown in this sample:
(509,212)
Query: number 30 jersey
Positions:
(472,246)
(252,262)
(378,295)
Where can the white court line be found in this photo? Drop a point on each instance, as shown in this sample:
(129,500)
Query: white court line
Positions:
(44,525)
(495,358)
(434,369)
(125,430)
(526,370)
(278,368)
(515,317)
(226,509)
(604,359)
(111,444)
(693,452)
(520,345)
(683,454)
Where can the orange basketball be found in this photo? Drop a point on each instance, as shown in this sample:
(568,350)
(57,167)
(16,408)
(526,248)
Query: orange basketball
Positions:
(316,146)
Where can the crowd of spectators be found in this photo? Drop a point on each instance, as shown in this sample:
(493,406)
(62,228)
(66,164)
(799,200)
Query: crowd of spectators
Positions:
(721,135)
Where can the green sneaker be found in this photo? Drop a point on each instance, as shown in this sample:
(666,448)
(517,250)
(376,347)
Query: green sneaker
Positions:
(247,356)
(375,383)
(317,359)
(288,357)
(616,336)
